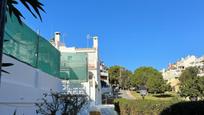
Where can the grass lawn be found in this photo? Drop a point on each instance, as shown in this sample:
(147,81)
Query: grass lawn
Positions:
(152,104)
(169,96)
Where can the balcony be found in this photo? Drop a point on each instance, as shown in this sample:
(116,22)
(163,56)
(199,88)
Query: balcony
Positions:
(104,73)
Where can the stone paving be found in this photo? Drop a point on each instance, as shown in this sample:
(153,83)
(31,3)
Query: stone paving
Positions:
(126,94)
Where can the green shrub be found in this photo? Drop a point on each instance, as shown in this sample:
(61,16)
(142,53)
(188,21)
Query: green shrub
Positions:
(143,107)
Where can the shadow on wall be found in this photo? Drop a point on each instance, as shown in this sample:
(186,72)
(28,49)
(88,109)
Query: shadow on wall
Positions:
(185,108)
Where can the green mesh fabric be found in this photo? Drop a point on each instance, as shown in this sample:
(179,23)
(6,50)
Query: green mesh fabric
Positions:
(22,41)
(48,58)
(74,66)
(27,46)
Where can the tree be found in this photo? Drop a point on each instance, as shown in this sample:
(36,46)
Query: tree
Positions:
(201,86)
(190,89)
(188,74)
(191,85)
(151,78)
(120,75)
(63,103)
(35,4)
(124,81)
(156,84)
(141,75)
(114,74)
(9,5)
(2,24)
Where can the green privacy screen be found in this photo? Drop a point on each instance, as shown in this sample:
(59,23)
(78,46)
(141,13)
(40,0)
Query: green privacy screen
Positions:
(74,66)
(48,58)
(27,46)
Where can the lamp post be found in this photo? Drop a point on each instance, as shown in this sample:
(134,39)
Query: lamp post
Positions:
(143,91)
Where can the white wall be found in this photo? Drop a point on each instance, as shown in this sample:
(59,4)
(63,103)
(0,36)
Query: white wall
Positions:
(94,67)
(23,86)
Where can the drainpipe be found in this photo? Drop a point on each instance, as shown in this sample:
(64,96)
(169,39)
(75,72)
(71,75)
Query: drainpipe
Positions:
(2,25)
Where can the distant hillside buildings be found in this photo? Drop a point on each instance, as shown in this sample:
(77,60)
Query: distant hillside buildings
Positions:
(172,73)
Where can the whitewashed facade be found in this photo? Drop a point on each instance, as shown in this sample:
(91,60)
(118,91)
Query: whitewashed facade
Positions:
(93,85)
(23,87)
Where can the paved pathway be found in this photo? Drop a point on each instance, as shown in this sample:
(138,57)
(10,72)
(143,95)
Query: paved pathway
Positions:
(126,94)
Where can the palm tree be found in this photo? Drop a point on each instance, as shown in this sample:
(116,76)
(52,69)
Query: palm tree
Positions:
(33,6)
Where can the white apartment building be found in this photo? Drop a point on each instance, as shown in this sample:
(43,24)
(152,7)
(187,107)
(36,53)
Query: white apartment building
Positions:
(92,85)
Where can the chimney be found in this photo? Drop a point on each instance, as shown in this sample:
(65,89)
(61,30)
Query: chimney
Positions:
(57,39)
(95,42)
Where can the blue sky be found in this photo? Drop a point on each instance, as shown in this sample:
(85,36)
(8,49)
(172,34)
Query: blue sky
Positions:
(132,33)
